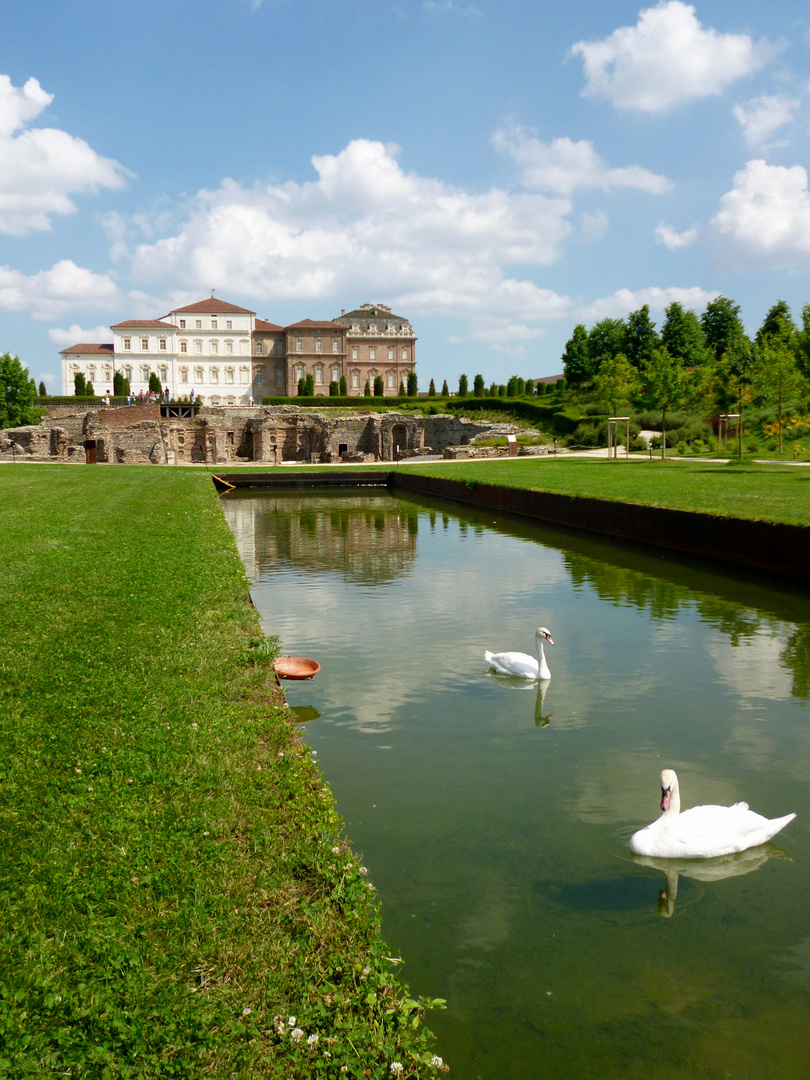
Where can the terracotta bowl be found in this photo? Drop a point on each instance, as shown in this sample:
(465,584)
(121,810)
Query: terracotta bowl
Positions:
(296,667)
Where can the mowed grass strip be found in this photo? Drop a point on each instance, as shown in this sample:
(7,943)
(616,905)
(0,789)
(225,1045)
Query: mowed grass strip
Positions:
(775,493)
(178,897)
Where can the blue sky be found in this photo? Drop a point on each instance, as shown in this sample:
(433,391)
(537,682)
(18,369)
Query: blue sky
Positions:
(496,172)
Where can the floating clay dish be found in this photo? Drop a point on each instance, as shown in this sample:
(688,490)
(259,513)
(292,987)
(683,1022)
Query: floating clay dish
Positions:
(296,667)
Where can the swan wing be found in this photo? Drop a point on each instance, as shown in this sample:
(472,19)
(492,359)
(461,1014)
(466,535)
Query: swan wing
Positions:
(513,663)
(705,832)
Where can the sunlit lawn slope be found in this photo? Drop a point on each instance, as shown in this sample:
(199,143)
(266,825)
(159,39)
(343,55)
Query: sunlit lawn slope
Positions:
(175,882)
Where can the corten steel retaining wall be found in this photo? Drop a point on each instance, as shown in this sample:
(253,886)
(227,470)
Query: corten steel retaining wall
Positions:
(778,549)
(755,545)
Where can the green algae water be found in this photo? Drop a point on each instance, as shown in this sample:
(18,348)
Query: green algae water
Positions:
(494,818)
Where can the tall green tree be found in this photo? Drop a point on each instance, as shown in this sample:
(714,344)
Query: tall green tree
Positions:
(576,357)
(664,386)
(445,389)
(683,335)
(120,384)
(413,385)
(803,343)
(379,389)
(778,376)
(79,384)
(154,383)
(615,382)
(432,389)
(344,390)
(463,386)
(736,379)
(478,386)
(43,390)
(17,394)
(512,387)
(605,341)
(640,337)
(722,328)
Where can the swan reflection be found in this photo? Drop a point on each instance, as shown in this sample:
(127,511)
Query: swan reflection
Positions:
(704,870)
(540,686)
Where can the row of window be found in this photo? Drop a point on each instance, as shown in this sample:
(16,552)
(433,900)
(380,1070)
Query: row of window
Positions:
(213,347)
(198,324)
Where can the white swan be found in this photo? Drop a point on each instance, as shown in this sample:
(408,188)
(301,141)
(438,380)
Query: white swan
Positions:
(520,664)
(703,832)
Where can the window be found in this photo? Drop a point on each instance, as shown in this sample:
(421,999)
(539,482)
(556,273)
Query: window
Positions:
(127,343)
(299,345)
(183,374)
(279,377)
(229,324)
(391,381)
(318,344)
(299,373)
(184,346)
(162,344)
(182,324)
(198,374)
(404,354)
(354,352)
(145,344)
(145,373)
(372,353)
(214,374)
(335,345)
(390,354)
(91,372)
(163,373)
(127,371)
(335,374)
(213,324)
(229,347)
(198,324)
(229,374)
(355,378)
(244,375)
(279,348)
(259,377)
(197,346)
(319,375)
(259,348)
(214,347)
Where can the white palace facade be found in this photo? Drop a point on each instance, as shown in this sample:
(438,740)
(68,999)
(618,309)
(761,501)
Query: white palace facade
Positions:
(228,356)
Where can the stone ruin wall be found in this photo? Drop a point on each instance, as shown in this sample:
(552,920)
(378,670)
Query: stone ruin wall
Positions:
(219,435)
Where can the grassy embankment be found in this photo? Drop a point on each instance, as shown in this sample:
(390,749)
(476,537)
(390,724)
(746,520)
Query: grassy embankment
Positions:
(779,493)
(178,895)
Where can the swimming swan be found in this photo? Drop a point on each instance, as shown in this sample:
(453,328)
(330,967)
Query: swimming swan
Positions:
(704,831)
(518,663)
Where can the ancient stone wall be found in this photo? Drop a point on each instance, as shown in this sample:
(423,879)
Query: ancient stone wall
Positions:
(220,435)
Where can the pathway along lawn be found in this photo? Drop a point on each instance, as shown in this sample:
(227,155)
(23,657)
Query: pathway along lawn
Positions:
(777,493)
(179,898)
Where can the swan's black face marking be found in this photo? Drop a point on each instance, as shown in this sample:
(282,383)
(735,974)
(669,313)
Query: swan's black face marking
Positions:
(665,794)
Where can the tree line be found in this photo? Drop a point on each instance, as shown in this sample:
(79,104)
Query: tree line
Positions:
(694,361)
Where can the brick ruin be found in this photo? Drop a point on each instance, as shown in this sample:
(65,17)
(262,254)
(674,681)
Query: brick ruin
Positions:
(216,435)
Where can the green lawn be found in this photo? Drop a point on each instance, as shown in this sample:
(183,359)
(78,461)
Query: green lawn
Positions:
(779,493)
(175,880)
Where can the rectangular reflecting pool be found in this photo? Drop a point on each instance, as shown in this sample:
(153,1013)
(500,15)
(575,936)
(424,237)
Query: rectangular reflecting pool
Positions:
(494,816)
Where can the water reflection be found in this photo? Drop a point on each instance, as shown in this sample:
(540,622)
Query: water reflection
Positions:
(540,686)
(500,852)
(705,871)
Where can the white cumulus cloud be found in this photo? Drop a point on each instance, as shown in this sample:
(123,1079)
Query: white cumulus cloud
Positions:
(766,215)
(65,336)
(563,165)
(364,224)
(665,59)
(41,168)
(674,240)
(623,301)
(51,293)
(760,117)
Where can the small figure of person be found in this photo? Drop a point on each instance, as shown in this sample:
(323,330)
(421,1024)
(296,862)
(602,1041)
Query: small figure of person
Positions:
(166,394)
(192,395)
(250,401)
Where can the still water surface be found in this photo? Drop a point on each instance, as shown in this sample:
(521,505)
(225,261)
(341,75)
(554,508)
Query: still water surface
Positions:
(494,820)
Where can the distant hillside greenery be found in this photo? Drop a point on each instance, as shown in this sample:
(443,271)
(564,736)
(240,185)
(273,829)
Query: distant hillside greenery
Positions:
(681,379)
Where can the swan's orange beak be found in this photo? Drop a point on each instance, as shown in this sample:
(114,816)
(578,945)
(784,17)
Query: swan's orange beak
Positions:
(548,639)
(665,793)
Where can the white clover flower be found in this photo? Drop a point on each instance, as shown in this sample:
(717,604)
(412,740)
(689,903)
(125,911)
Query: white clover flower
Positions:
(397,1068)
(292,1021)
(363,871)
(436,1061)
(313,1039)
(296,1035)
(366,972)
(335,850)
(247,1011)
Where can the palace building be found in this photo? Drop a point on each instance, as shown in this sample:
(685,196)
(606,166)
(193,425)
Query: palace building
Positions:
(228,356)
